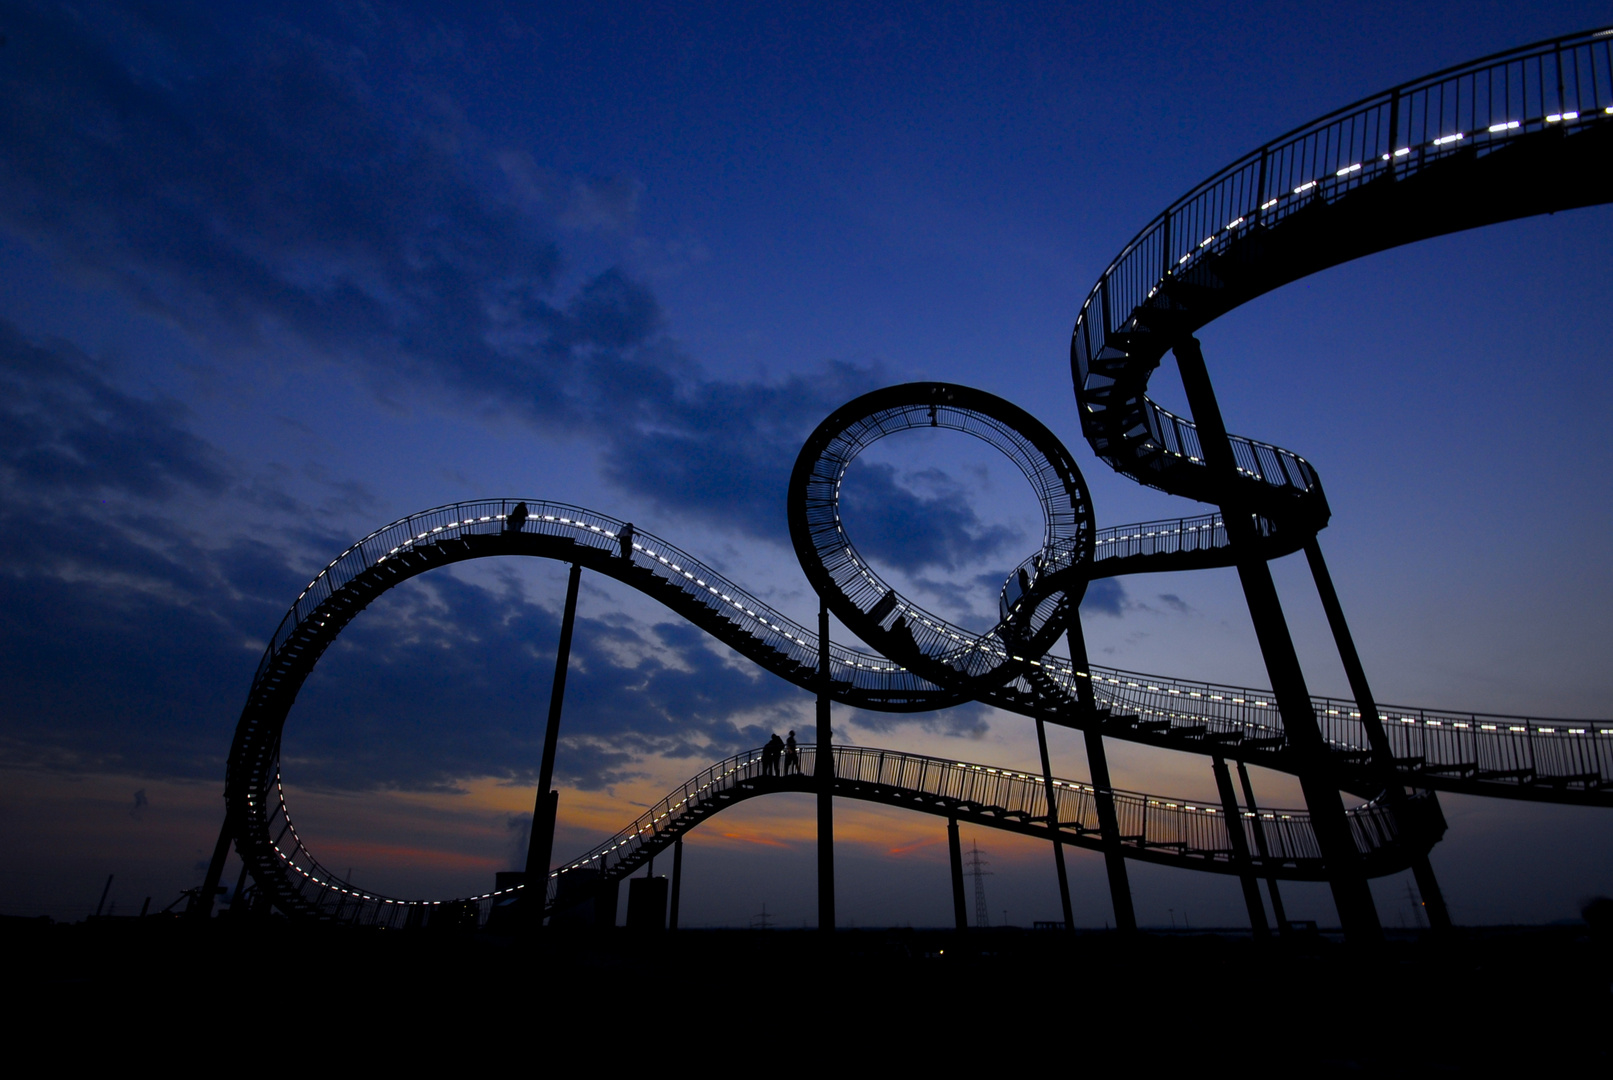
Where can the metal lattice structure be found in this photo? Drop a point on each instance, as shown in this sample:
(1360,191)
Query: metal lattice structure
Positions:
(1524,132)
(1158,829)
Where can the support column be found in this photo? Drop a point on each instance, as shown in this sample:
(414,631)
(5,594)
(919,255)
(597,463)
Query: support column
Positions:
(540,845)
(1114,857)
(203,908)
(1053,825)
(1346,878)
(1383,758)
(960,909)
(1240,849)
(237,909)
(677,881)
(825,770)
(1265,852)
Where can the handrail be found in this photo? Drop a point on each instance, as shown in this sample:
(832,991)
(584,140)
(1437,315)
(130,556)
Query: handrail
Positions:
(1154,827)
(670,563)
(1342,158)
(1471,109)
(1451,748)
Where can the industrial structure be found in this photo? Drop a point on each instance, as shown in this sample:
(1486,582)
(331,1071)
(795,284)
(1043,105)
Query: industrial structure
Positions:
(1525,132)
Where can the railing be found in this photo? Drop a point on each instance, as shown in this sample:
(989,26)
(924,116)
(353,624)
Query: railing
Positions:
(1150,826)
(1436,741)
(1477,107)
(1203,533)
(1469,745)
(1473,109)
(1192,830)
(699,582)
(1273,465)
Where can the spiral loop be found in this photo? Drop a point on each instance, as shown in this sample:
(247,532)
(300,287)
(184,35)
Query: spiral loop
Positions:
(1038,595)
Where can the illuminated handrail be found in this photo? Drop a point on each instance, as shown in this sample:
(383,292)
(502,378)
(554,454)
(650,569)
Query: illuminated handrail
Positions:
(1159,828)
(1446,748)
(759,621)
(1472,110)
(1433,742)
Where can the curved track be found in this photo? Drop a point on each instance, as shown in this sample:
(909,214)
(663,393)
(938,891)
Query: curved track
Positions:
(1038,595)
(1526,132)
(1570,761)
(1158,829)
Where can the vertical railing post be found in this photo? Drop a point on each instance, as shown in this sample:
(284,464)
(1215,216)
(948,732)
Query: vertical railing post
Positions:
(1260,187)
(540,844)
(1394,129)
(1383,760)
(1260,845)
(677,881)
(1317,774)
(960,909)
(1240,848)
(203,907)
(1053,825)
(1114,859)
(825,782)
(1557,59)
(1164,247)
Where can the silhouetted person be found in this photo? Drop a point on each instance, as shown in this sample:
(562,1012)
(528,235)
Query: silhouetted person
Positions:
(625,539)
(516,518)
(770,755)
(792,756)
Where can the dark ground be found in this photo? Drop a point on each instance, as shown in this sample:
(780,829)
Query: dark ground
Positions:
(1480,1000)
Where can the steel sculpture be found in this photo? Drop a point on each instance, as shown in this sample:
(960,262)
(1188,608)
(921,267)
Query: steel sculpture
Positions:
(1515,134)
(1524,132)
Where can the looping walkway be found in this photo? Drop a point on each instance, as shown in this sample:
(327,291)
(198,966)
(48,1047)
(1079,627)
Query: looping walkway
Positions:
(1524,132)
(1158,829)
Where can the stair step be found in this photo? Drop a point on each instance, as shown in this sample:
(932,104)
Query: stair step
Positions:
(1526,775)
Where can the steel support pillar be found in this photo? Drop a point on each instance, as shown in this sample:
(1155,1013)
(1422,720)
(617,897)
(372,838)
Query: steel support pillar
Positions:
(1383,757)
(1260,845)
(677,881)
(825,770)
(1317,775)
(1053,825)
(545,809)
(203,908)
(1240,848)
(960,909)
(237,909)
(1114,857)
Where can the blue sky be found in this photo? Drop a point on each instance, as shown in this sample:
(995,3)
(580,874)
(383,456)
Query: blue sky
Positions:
(273,279)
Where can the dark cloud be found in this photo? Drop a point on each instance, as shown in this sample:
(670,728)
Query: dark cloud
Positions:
(584,204)
(251,190)
(66,431)
(123,642)
(721,450)
(443,679)
(1176,603)
(1105,596)
(238,195)
(259,194)
(130,637)
(967,721)
(922,520)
